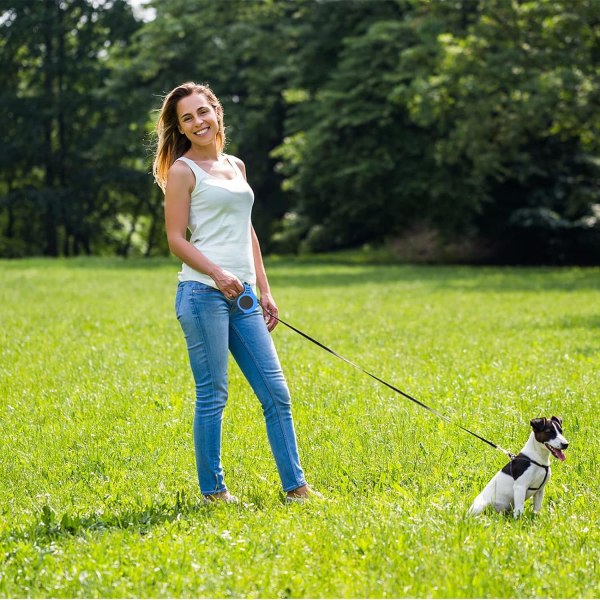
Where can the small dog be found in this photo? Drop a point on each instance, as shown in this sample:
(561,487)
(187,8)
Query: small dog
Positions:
(528,473)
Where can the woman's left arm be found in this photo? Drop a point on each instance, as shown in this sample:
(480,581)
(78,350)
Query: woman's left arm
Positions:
(270,310)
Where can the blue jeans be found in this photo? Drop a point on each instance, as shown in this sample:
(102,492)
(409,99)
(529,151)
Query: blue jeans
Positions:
(212,325)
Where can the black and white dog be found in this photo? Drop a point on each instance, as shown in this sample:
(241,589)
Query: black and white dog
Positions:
(528,473)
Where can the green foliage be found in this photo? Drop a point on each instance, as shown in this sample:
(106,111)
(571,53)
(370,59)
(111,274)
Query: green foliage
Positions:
(60,185)
(511,96)
(366,119)
(97,475)
(433,114)
(540,235)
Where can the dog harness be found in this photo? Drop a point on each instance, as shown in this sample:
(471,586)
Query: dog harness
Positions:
(509,469)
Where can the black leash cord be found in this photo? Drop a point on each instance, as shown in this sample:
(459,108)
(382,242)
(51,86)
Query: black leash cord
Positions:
(392,387)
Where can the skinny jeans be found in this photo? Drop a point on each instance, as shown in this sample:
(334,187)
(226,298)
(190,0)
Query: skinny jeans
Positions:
(214,325)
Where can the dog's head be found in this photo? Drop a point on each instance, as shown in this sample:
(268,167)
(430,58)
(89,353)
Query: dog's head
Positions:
(549,433)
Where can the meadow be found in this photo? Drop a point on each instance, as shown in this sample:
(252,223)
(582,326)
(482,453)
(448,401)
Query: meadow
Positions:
(98,489)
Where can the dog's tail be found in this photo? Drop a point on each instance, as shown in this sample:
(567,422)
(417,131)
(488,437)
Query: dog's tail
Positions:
(477,507)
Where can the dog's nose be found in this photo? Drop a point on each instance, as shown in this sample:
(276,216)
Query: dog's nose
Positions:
(565,445)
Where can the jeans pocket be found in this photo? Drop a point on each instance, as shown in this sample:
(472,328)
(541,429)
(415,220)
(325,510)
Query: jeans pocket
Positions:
(178,298)
(202,288)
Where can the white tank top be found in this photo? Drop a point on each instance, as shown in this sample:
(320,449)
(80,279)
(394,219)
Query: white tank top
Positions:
(220,224)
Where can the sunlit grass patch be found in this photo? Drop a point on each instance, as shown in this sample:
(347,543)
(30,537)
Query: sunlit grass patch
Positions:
(97,476)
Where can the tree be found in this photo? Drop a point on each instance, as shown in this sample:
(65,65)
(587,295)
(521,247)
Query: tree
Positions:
(451,114)
(348,154)
(513,100)
(357,120)
(53,66)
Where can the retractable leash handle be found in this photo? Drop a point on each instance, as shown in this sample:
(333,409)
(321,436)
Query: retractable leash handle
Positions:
(392,387)
(247,300)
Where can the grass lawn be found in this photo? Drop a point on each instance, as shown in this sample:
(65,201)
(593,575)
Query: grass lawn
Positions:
(98,491)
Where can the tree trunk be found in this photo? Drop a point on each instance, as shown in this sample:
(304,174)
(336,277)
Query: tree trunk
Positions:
(155,210)
(50,200)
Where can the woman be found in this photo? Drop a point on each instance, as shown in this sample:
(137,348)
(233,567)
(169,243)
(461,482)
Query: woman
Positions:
(206,192)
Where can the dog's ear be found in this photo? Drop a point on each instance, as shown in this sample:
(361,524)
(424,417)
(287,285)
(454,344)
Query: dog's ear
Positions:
(538,424)
(557,419)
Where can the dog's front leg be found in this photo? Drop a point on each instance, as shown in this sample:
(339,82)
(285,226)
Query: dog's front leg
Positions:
(520,492)
(537,500)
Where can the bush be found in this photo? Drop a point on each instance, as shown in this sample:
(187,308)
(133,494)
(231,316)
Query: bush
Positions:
(288,235)
(423,244)
(13,248)
(541,236)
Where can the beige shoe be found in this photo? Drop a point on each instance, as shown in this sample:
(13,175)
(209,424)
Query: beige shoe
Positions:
(301,499)
(225,497)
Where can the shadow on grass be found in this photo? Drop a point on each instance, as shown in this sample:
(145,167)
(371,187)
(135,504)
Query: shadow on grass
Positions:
(459,278)
(578,322)
(49,527)
(93,263)
(333,271)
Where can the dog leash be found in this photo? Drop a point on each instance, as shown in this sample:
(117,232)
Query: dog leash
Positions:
(392,387)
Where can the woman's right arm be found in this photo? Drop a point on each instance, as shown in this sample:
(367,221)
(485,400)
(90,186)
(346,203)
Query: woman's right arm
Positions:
(180,183)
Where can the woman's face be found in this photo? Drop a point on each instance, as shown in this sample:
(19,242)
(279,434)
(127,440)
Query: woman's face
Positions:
(197,119)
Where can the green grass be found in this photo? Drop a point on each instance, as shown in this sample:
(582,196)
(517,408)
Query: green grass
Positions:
(98,492)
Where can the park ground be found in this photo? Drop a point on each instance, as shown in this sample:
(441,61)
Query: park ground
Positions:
(97,477)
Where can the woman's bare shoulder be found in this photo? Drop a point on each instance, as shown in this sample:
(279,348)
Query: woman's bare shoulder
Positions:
(180,174)
(180,170)
(179,167)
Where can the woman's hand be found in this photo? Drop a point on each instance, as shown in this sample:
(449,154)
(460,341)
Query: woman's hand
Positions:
(270,310)
(230,286)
